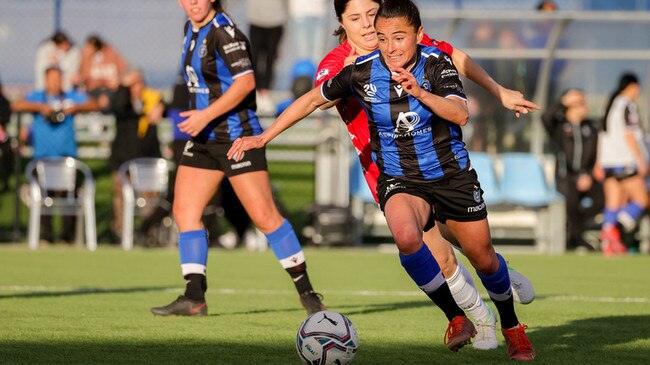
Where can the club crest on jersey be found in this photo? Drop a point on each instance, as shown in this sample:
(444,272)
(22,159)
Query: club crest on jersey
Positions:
(426,85)
(203,50)
(406,122)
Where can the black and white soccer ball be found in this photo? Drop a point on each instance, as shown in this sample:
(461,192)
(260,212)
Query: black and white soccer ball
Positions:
(327,338)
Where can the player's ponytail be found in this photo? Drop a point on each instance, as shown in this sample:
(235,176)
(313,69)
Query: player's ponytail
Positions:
(216,5)
(626,80)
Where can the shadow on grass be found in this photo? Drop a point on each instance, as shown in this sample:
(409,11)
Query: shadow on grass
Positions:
(84,291)
(345,309)
(590,341)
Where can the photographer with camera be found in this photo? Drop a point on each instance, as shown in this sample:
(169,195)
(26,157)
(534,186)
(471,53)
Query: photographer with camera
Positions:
(52,132)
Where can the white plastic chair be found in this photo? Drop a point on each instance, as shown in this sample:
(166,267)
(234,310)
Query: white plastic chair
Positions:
(139,176)
(60,174)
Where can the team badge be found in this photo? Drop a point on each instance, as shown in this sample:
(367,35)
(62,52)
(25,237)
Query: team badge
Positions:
(203,50)
(477,195)
(426,85)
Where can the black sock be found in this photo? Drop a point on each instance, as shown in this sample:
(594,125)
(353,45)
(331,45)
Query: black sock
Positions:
(300,278)
(506,309)
(196,286)
(443,299)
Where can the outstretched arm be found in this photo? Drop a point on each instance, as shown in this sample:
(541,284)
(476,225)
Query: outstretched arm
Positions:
(510,99)
(298,110)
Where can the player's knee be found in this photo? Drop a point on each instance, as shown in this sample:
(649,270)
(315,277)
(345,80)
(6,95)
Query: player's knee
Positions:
(408,240)
(266,220)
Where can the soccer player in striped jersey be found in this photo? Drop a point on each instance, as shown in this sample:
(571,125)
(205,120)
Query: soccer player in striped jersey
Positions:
(415,105)
(216,64)
(358,37)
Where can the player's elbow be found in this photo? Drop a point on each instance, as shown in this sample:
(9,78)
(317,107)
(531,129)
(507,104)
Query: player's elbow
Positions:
(462,118)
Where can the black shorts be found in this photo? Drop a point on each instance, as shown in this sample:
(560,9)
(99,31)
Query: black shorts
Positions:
(458,197)
(213,156)
(621,172)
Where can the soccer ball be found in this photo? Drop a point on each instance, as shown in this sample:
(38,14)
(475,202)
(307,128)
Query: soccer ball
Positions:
(327,338)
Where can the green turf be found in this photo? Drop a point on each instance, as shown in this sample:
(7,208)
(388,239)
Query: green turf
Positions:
(63,305)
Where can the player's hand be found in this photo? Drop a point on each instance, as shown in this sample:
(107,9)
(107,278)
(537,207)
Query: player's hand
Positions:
(351,57)
(45,110)
(584,182)
(515,101)
(195,122)
(642,168)
(243,144)
(408,82)
(598,173)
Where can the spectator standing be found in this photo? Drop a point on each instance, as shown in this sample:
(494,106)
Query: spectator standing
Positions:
(574,140)
(52,132)
(267,19)
(6,152)
(138,110)
(102,67)
(59,51)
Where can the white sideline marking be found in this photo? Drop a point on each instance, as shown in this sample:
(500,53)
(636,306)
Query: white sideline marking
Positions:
(358,293)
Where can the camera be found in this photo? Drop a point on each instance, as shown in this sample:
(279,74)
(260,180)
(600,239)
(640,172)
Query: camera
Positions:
(56,117)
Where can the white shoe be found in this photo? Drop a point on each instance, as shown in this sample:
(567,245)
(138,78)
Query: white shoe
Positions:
(522,289)
(486,333)
(250,240)
(228,240)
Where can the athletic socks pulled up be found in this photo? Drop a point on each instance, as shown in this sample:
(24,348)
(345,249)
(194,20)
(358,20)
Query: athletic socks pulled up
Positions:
(287,250)
(500,291)
(193,249)
(425,272)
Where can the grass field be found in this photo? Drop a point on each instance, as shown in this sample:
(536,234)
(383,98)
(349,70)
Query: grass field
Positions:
(67,305)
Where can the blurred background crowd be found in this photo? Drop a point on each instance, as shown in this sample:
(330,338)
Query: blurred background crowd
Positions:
(108,71)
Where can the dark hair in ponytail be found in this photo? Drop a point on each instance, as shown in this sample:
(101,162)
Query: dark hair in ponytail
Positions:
(626,80)
(217,6)
(339,9)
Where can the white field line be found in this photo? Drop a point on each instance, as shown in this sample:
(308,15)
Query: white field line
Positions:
(356,293)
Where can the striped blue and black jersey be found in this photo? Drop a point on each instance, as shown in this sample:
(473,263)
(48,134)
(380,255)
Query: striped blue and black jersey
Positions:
(407,139)
(213,57)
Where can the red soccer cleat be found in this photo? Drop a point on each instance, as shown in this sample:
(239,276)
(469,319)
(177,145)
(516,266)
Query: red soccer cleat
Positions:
(459,333)
(519,347)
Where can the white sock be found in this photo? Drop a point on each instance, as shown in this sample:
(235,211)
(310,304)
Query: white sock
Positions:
(466,295)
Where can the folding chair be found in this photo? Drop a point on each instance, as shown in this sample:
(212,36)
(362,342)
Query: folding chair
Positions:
(138,176)
(60,174)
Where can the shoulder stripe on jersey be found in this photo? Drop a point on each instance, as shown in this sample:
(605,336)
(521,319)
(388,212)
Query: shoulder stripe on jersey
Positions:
(367,59)
(426,55)
(241,74)
(322,93)
(215,22)
(456,95)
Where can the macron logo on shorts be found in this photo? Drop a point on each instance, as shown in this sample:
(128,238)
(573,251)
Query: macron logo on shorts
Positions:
(186,150)
(240,165)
